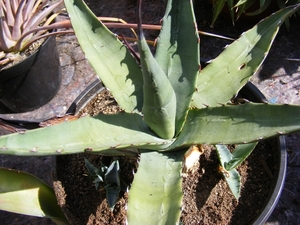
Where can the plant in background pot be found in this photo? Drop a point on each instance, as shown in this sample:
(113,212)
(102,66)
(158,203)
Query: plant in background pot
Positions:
(169,106)
(249,9)
(29,67)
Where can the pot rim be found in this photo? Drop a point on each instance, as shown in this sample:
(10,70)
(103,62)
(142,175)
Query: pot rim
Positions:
(24,64)
(280,177)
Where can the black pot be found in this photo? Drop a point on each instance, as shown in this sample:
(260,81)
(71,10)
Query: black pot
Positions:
(250,92)
(85,97)
(33,82)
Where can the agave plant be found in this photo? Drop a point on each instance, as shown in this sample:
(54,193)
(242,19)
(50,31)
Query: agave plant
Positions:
(169,104)
(107,178)
(22,22)
(240,7)
(20,18)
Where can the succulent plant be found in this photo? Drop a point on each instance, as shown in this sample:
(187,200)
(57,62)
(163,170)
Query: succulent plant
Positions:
(169,104)
(239,7)
(19,20)
(107,178)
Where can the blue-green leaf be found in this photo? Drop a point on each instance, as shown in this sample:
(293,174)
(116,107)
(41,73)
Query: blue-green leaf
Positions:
(156,192)
(26,194)
(240,153)
(111,60)
(232,176)
(159,108)
(108,134)
(231,70)
(178,53)
(234,124)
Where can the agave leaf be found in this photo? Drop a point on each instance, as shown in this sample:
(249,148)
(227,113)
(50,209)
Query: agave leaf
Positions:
(218,7)
(234,124)
(243,7)
(238,62)
(5,35)
(232,176)
(112,194)
(94,171)
(240,2)
(240,153)
(109,134)
(229,161)
(17,26)
(26,194)
(159,108)
(112,174)
(111,60)
(28,10)
(178,53)
(282,4)
(156,191)
(113,187)
(230,4)
(263,6)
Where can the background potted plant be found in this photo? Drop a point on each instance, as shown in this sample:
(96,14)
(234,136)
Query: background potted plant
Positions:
(248,10)
(204,116)
(29,67)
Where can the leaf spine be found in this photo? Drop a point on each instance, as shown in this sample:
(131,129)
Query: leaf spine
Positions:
(34,149)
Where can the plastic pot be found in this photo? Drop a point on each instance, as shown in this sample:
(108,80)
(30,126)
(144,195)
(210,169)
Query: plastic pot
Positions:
(33,82)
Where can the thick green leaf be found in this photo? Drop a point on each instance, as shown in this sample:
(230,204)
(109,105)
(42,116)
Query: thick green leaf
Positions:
(231,70)
(242,8)
(113,187)
(26,194)
(178,53)
(234,124)
(159,108)
(240,153)
(229,161)
(263,6)
(105,133)
(156,192)
(111,60)
(230,4)
(240,2)
(232,176)
(218,7)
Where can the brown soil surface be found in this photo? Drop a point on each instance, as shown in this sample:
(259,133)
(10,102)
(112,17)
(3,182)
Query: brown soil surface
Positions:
(207,197)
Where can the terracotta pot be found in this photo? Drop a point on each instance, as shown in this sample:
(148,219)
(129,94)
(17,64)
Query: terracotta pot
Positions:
(250,92)
(33,82)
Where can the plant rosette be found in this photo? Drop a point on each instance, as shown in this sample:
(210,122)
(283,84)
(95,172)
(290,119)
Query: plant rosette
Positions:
(29,65)
(248,11)
(206,195)
(32,82)
(169,104)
